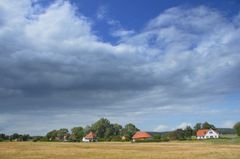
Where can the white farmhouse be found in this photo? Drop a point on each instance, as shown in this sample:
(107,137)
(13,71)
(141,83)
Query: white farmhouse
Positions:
(207,134)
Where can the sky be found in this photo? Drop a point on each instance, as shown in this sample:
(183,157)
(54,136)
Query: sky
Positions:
(161,65)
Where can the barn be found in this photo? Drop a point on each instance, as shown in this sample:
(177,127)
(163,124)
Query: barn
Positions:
(141,136)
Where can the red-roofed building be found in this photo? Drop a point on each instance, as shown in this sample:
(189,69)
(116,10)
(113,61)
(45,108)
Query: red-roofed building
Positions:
(90,137)
(207,134)
(141,136)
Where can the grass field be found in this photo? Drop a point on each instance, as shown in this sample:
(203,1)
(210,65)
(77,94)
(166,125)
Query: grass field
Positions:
(168,150)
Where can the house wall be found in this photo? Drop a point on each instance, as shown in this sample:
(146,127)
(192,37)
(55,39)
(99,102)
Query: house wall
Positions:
(89,140)
(85,140)
(200,137)
(211,134)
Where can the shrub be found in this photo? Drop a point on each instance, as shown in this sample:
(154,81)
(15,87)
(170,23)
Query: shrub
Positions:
(237,128)
(101,140)
(116,138)
(157,137)
(150,140)
(165,138)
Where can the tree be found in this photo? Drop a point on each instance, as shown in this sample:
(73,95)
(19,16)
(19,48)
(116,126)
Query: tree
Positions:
(117,129)
(87,129)
(18,137)
(237,128)
(206,125)
(197,127)
(2,136)
(52,135)
(25,137)
(61,133)
(100,128)
(177,135)
(181,134)
(188,132)
(14,136)
(57,134)
(156,136)
(109,132)
(113,130)
(129,130)
(77,133)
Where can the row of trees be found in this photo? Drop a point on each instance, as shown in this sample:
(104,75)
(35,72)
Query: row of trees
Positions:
(204,125)
(107,131)
(182,134)
(103,128)
(15,137)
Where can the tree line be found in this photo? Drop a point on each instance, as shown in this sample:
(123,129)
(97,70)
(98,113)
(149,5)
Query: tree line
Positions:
(104,129)
(107,131)
(15,137)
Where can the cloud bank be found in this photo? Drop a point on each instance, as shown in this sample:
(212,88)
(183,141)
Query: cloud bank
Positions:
(53,63)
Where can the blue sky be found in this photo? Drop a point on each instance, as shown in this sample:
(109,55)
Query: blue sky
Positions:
(161,65)
(133,15)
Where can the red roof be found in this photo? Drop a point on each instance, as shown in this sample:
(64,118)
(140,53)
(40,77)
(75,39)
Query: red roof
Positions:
(91,135)
(202,132)
(141,135)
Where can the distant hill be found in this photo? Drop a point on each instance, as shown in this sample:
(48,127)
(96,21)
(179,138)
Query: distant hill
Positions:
(158,133)
(220,130)
(226,131)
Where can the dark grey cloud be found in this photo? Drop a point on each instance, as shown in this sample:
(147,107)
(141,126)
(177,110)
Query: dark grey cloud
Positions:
(52,60)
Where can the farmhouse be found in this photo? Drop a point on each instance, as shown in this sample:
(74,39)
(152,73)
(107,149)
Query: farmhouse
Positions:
(207,134)
(141,136)
(90,137)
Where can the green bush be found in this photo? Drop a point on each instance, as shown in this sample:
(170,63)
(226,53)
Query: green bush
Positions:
(237,128)
(74,140)
(42,139)
(116,138)
(108,139)
(157,137)
(165,138)
(150,140)
(101,140)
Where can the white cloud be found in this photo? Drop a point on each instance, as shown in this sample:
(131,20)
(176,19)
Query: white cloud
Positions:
(59,25)
(183,125)
(228,124)
(123,33)
(161,127)
(115,23)
(101,12)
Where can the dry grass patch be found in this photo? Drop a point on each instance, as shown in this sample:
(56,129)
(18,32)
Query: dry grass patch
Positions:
(170,150)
